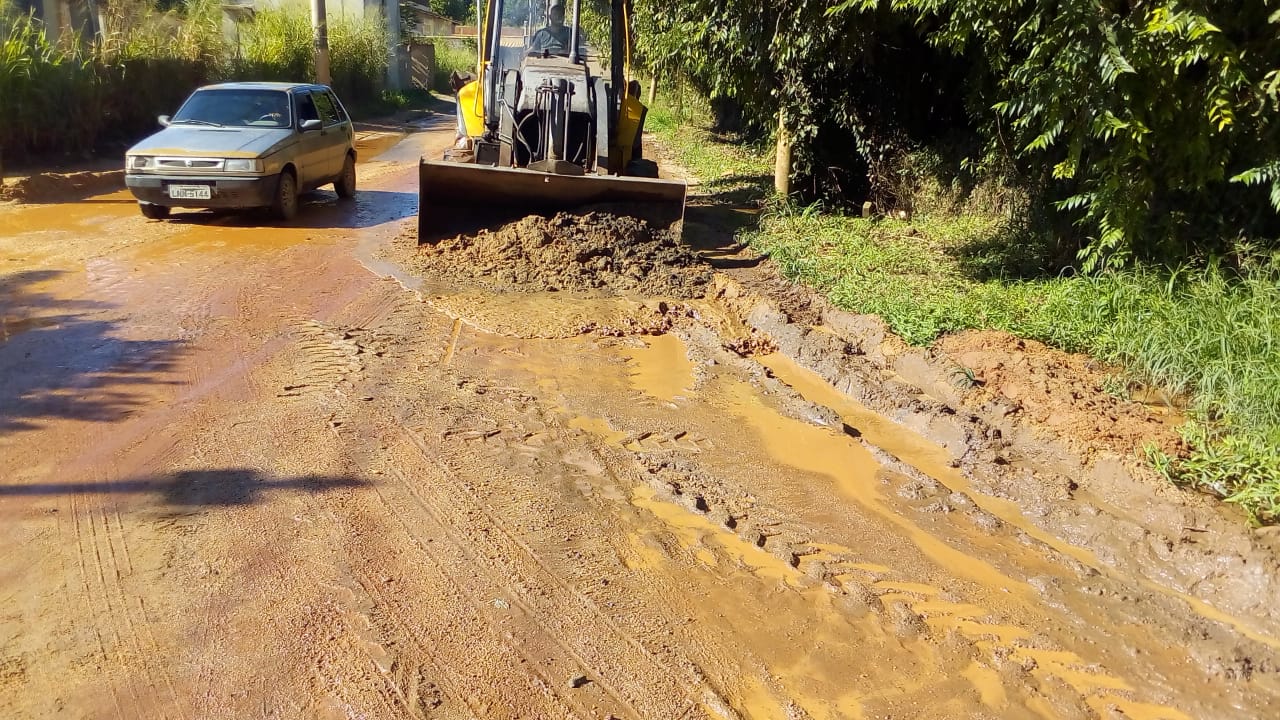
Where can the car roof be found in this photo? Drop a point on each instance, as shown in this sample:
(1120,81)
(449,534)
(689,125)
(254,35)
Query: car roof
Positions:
(264,86)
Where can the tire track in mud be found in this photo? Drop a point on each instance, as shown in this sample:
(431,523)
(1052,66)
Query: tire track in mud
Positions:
(907,606)
(102,560)
(512,573)
(451,642)
(542,594)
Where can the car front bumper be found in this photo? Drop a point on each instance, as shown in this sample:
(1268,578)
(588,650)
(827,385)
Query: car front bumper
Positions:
(225,192)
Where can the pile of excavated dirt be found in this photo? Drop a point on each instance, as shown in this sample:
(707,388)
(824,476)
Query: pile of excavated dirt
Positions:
(1062,393)
(596,252)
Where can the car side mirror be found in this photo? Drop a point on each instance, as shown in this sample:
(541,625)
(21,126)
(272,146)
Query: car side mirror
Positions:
(309,125)
(163,120)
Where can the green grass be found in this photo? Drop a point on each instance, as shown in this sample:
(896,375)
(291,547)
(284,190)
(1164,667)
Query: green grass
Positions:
(1211,333)
(711,158)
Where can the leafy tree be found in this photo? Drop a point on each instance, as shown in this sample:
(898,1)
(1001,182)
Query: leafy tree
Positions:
(1140,114)
(1154,126)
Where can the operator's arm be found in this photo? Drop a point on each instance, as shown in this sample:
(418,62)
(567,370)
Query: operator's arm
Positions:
(541,40)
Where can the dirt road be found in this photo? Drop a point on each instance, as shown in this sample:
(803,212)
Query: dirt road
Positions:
(270,472)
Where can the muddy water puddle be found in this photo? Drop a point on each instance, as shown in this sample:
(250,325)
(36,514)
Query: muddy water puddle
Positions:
(87,215)
(929,639)
(933,461)
(661,367)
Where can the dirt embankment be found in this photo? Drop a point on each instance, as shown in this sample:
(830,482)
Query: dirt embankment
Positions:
(58,187)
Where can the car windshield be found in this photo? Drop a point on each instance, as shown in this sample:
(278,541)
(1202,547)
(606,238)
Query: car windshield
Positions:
(235,107)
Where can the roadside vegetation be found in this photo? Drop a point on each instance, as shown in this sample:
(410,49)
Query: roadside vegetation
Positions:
(83,93)
(453,56)
(1205,335)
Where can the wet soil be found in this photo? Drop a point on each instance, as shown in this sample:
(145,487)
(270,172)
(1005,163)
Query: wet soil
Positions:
(594,252)
(60,186)
(290,472)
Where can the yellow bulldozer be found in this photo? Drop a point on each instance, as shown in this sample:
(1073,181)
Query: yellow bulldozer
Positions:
(543,130)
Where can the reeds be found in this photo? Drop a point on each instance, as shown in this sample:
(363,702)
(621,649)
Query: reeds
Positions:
(87,94)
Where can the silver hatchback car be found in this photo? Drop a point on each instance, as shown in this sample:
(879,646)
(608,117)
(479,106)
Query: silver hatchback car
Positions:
(245,145)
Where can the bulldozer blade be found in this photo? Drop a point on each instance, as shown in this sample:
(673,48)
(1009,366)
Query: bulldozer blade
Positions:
(462,198)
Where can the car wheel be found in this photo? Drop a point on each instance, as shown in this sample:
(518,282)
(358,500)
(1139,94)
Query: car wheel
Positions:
(345,185)
(151,211)
(285,204)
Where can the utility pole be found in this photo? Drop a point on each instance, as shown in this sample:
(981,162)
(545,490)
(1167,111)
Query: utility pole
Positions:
(393,37)
(320,22)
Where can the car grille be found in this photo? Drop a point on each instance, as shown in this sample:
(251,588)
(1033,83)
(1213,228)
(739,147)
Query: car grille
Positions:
(181,164)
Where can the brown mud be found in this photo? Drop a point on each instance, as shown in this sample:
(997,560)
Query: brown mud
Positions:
(244,476)
(592,252)
(45,187)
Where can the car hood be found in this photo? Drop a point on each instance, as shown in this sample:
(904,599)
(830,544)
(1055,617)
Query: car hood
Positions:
(201,141)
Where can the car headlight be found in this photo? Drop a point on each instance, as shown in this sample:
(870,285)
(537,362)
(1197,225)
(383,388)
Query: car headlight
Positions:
(242,165)
(138,162)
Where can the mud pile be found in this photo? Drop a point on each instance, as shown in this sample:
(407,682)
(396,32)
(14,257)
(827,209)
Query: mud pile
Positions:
(596,252)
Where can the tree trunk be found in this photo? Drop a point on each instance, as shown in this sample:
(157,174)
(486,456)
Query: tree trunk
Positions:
(653,88)
(782,162)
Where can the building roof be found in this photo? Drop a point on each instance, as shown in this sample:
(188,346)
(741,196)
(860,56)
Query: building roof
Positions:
(424,10)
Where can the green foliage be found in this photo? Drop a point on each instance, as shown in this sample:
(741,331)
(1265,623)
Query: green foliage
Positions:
(1236,467)
(1136,116)
(460,10)
(277,45)
(146,62)
(358,57)
(1155,128)
(453,56)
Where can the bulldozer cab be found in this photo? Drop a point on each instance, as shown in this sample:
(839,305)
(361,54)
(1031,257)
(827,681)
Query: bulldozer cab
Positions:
(545,127)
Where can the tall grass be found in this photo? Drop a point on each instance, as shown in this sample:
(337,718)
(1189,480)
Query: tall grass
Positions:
(452,56)
(358,58)
(277,45)
(86,93)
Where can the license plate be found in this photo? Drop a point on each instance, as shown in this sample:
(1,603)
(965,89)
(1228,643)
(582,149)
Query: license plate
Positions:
(190,192)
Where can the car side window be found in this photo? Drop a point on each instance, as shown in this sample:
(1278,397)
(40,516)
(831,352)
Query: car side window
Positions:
(327,112)
(337,106)
(306,108)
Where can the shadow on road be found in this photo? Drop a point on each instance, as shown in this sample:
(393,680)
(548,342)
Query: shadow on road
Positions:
(107,201)
(718,212)
(194,489)
(59,361)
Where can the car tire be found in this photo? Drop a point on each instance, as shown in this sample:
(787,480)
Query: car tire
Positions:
(345,185)
(285,204)
(151,211)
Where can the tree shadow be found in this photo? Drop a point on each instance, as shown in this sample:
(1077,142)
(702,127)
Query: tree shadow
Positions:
(718,214)
(58,361)
(191,490)
(1024,248)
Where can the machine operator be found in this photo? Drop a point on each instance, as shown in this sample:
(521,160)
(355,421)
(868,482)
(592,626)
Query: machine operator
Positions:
(556,37)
